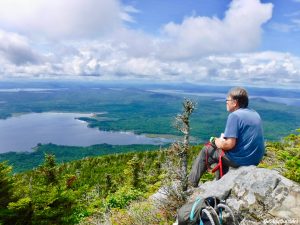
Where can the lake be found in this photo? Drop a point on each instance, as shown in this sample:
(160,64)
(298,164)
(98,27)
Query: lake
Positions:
(23,132)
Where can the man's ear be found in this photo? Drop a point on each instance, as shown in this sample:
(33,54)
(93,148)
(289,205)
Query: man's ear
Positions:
(236,103)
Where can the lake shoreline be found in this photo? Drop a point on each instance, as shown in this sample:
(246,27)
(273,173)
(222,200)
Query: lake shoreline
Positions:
(62,129)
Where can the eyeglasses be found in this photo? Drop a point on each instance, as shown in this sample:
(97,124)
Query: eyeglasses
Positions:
(229,100)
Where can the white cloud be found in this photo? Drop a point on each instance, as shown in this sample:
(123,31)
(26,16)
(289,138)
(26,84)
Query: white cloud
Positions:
(239,31)
(16,49)
(198,50)
(110,62)
(292,26)
(271,68)
(127,10)
(63,19)
(282,27)
(296,22)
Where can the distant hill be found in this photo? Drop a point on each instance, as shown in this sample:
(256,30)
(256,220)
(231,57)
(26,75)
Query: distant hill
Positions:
(134,107)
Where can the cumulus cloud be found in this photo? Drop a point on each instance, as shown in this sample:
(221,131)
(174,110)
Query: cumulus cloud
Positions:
(63,19)
(109,61)
(16,49)
(258,68)
(239,31)
(198,50)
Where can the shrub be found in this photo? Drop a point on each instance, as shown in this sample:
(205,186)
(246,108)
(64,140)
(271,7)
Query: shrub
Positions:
(139,213)
(122,197)
(284,156)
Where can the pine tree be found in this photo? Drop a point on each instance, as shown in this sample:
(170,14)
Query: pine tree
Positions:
(49,169)
(132,172)
(52,197)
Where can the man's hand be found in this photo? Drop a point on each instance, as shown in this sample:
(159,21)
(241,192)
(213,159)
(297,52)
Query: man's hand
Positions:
(225,144)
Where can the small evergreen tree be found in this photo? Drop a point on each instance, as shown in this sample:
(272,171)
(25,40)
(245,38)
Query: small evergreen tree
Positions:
(44,197)
(132,172)
(49,169)
(175,181)
(183,124)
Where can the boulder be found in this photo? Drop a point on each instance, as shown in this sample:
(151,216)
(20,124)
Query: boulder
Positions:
(256,195)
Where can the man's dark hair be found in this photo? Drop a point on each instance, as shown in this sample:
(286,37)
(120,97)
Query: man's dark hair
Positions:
(240,95)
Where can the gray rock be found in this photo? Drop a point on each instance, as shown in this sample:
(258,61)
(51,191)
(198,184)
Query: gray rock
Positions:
(256,195)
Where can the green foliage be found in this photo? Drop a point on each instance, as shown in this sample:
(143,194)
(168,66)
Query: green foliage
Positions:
(49,169)
(43,197)
(285,156)
(5,184)
(6,191)
(132,172)
(24,161)
(291,156)
(67,193)
(123,197)
(139,213)
(20,205)
(21,211)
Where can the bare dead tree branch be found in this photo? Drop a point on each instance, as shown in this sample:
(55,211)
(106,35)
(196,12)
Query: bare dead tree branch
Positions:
(182,123)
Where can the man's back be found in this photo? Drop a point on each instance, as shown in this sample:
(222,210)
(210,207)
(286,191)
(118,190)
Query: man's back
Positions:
(245,125)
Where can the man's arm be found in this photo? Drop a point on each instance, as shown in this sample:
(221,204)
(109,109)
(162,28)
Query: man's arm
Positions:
(225,144)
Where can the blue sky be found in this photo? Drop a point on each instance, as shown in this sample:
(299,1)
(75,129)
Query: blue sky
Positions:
(238,42)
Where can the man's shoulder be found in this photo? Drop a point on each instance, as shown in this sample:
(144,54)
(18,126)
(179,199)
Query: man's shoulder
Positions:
(244,111)
(247,114)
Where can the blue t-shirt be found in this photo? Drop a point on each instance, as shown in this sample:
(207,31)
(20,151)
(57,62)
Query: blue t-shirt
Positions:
(245,125)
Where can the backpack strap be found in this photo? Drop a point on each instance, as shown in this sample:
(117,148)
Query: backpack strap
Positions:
(226,207)
(220,216)
(192,214)
(209,216)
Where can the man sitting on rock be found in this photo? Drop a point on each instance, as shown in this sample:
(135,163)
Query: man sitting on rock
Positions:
(242,142)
